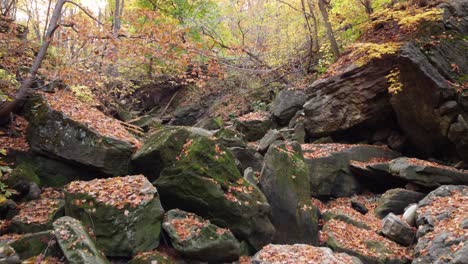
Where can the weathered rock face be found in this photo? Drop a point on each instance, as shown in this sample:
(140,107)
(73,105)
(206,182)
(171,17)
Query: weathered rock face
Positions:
(124,212)
(254,125)
(356,97)
(206,181)
(430,111)
(329,173)
(285,183)
(271,136)
(186,116)
(441,220)
(160,151)
(76,244)
(300,253)
(395,201)
(397,230)
(56,134)
(286,104)
(196,238)
(425,173)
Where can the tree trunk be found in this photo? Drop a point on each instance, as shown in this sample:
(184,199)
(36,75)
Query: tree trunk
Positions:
(331,37)
(25,89)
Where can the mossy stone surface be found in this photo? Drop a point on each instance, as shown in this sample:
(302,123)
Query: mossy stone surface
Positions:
(285,183)
(205,241)
(75,242)
(206,181)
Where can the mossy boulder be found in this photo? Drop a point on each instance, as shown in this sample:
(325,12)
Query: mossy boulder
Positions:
(124,212)
(395,201)
(54,133)
(230,138)
(254,125)
(196,238)
(152,257)
(160,151)
(75,242)
(285,183)
(37,215)
(22,179)
(33,244)
(206,181)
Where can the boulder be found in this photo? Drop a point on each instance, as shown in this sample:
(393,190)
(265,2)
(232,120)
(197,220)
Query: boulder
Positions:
(124,213)
(285,183)
(371,173)
(68,135)
(441,230)
(428,106)
(271,136)
(300,253)
(254,125)
(426,174)
(75,242)
(152,257)
(286,104)
(159,151)
(329,173)
(397,230)
(196,238)
(205,180)
(357,96)
(38,215)
(297,125)
(395,201)
(34,244)
(230,138)
(365,244)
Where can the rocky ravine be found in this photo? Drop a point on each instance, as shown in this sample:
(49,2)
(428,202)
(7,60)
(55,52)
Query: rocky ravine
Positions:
(91,192)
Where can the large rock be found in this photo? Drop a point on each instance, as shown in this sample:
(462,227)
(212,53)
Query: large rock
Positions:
(124,212)
(196,238)
(66,135)
(367,245)
(285,183)
(356,97)
(397,230)
(286,104)
(329,172)
(38,215)
(441,220)
(426,174)
(75,242)
(430,111)
(301,254)
(254,125)
(247,157)
(395,201)
(206,181)
(159,151)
